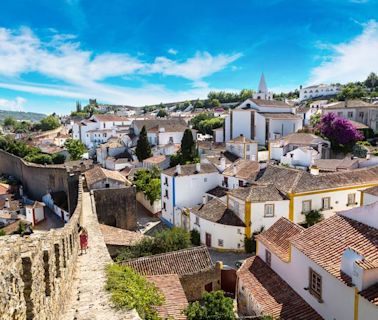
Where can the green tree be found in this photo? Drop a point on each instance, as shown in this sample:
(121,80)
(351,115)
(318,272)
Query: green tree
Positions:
(188,148)
(50,122)
(58,158)
(245,94)
(39,158)
(371,81)
(75,148)
(9,122)
(215,103)
(215,306)
(315,119)
(195,237)
(143,148)
(130,290)
(78,107)
(148,182)
(162,113)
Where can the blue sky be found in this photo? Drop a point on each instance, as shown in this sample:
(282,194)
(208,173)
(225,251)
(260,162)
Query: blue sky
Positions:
(53,53)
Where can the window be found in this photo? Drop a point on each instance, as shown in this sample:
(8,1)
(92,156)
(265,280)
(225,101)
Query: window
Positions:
(268,258)
(225,182)
(351,199)
(326,203)
(220,243)
(107,185)
(248,147)
(361,114)
(104,125)
(340,114)
(315,285)
(197,221)
(269,210)
(241,183)
(306,206)
(166,181)
(164,206)
(166,193)
(350,114)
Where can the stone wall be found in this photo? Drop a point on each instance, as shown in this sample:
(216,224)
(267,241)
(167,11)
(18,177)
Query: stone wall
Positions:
(36,272)
(194,284)
(39,179)
(116,207)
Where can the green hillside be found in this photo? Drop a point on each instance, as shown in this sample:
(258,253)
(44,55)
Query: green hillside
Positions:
(20,115)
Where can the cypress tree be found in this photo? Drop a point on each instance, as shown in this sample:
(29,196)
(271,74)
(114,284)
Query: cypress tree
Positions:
(188,148)
(143,148)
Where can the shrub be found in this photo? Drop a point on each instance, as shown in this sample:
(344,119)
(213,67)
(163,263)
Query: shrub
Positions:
(250,245)
(129,290)
(195,237)
(2,232)
(313,217)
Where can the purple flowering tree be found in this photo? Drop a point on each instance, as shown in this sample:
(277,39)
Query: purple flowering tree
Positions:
(339,131)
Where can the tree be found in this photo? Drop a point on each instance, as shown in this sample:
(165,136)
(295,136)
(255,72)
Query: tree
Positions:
(195,237)
(339,131)
(188,148)
(143,148)
(148,182)
(352,91)
(78,107)
(75,148)
(215,306)
(9,122)
(371,81)
(245,94)
(58,158)
(315,119)
(207,126)
(50,122)
(215,103)
(162,113)
(39,158)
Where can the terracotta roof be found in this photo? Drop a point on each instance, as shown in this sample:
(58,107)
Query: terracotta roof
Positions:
(280,116)
(243,169)
(120,237)
(272,295)
(258,193)
(349,104)
(97,174)
(373,191)
(216,160)
(110,117)
(274,103)
(325,242)
(216,210)
(175,300)
(358,125)
(241,139)
(182,262)
(156,159)
(336,164)
(4,188)
(301,138)
(190,169)
(277,237)
(371,294)
(169,125)
(296,181)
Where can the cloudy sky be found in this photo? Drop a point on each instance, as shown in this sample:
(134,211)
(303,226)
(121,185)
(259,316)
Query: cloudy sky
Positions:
(140,52)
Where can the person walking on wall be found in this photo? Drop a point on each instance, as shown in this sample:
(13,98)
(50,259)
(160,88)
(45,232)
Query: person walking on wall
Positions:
(83,240)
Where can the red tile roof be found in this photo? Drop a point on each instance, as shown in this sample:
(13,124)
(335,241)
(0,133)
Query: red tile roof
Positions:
(277,237)
(371,294)
(325,242)
(175,299)
(272,295)
(182,262)
(120,237)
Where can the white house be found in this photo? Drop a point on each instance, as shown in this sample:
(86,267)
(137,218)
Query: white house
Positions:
(308,111)
(328,271)
(317,91)
(299,149)
(243,147)
(183,187)
(240,173)
(369,195)
(35,213)
(99,128)
(218,226)
(100,178)
(261,121)
(161,131)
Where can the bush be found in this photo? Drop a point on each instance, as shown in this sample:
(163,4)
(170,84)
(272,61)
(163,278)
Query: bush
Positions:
(148,182)
(129,290)
(215,306)
(313,217)
(39,158)
(2,232)
(250,245)
(195,237)
(58,158)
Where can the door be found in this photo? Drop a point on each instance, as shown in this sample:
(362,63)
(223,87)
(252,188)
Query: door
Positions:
(209,287)
(208,239)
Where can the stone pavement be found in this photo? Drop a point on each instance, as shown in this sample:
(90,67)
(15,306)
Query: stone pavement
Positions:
(89,300)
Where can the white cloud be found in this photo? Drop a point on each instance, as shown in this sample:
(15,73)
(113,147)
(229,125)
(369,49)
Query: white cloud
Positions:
(14,105)
(350,61)
(21,51)
(172,51)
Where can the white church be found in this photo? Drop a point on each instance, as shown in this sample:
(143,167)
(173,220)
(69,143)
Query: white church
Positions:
(260,118)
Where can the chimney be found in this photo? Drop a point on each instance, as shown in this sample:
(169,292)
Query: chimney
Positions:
(314,170)
(204,199)
(222,165)
(7,203)
(198,167)
(178,169)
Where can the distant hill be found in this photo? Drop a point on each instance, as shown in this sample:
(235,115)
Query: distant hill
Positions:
(20,115)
